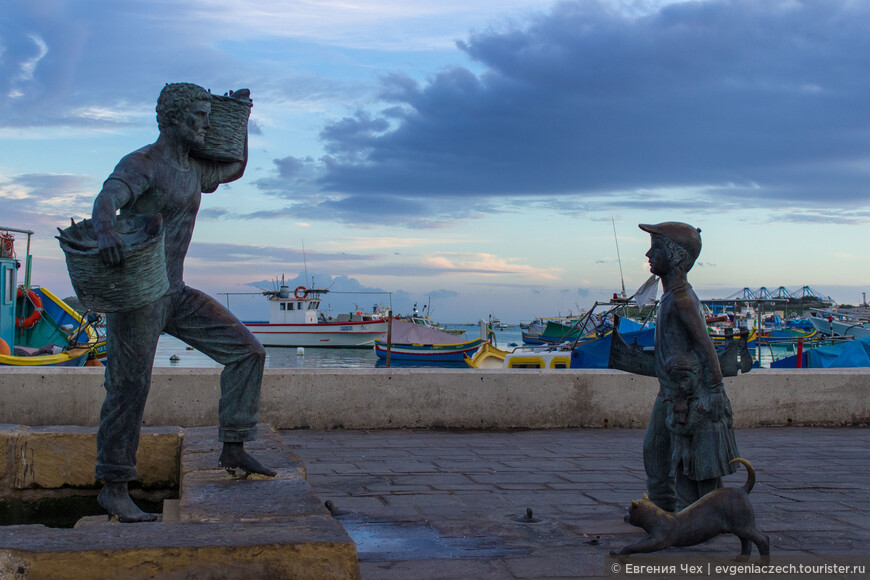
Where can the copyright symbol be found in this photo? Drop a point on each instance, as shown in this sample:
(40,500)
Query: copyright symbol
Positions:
(615,568)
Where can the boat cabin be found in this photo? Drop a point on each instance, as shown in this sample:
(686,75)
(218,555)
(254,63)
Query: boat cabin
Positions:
(8,269)
(299,307)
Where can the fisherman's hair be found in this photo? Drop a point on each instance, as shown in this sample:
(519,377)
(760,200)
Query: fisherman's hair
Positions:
(678,256)
(174,99)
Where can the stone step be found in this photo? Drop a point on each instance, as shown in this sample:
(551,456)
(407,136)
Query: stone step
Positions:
(220,528)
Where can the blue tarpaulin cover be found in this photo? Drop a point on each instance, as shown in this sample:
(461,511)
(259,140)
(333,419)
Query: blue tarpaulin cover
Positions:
(596,354)
(855,353)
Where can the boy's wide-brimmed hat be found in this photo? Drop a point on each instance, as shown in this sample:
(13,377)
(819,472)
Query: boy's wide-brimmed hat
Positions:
(684,235)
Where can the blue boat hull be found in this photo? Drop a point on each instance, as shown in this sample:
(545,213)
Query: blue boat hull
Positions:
(428,352)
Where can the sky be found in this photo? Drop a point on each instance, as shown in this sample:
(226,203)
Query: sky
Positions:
(480,157)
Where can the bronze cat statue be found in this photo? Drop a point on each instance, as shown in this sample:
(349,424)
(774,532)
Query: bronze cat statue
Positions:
(723,510)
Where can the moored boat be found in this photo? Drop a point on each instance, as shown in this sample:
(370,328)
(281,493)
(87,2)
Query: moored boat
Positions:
(839,324)
(36,327)
(523,357)
(412,342)
(638,357)
(295,320)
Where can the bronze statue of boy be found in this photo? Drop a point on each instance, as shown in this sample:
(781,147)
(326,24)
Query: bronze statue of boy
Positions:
(689,441)
(163,178)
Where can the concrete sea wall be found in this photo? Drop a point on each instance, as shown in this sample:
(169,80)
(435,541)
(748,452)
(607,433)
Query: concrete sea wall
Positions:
(436,398)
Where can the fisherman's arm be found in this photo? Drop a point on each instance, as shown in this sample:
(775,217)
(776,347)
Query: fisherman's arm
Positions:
(114,195)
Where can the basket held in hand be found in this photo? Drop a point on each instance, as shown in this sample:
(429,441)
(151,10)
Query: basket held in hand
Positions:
(139,281)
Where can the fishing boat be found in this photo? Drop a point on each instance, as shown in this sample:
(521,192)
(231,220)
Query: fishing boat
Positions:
(412,342)
(638,357)
(721,336)
(835,323)
(531,332)
(422,319)
(778,336)
(36,327)
(523,357)
(295,320)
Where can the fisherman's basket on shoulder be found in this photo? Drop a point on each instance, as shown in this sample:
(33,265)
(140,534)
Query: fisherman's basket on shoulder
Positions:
(225,140)
(139,281)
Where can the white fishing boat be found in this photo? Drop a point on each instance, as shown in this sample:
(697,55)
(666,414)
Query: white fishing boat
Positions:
(835,323)
(295,320)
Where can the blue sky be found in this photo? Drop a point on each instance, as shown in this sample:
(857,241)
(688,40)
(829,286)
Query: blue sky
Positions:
(473,154)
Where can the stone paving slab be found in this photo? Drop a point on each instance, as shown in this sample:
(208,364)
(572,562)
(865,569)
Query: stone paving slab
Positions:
(307,548)
(811,496)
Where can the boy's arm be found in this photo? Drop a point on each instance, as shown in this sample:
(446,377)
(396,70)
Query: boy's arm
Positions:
(712,396)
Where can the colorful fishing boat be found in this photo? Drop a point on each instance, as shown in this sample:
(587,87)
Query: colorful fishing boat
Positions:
(790,335)
(523,357)
(295,320)
(721,337)
(411,342)
(638,357)
(36,327)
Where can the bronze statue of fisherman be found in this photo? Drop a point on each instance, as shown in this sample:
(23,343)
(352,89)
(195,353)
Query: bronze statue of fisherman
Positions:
(690,440)
(163,178)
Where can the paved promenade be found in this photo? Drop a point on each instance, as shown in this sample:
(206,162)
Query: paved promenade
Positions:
(453,505)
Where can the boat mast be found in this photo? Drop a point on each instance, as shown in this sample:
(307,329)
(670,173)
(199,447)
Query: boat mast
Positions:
(618,258)
(305,263)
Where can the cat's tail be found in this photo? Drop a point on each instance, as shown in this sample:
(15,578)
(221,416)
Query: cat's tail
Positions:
(750,473)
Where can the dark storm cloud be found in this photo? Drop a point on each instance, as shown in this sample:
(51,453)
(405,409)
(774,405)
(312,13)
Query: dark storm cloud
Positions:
(759,103)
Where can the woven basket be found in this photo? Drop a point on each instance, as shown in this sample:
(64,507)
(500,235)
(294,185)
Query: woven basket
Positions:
(139,281)
(225,140)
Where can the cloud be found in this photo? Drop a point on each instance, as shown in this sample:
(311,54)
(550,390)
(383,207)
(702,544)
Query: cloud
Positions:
(101,64)
(268,254)
(442,294)
(728,104)
(856,217)
(43,201)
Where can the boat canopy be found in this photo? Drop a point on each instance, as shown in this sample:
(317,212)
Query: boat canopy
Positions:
(404,332)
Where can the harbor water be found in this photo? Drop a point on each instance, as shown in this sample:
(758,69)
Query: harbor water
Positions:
(172,352)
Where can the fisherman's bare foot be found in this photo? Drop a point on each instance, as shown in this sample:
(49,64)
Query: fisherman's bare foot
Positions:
(234,459)
(115,499)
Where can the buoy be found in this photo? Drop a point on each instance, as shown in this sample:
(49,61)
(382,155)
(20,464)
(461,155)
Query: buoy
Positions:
(4,348)
(300,351)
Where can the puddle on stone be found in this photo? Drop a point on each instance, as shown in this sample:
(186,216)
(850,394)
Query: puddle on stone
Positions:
(385,541)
